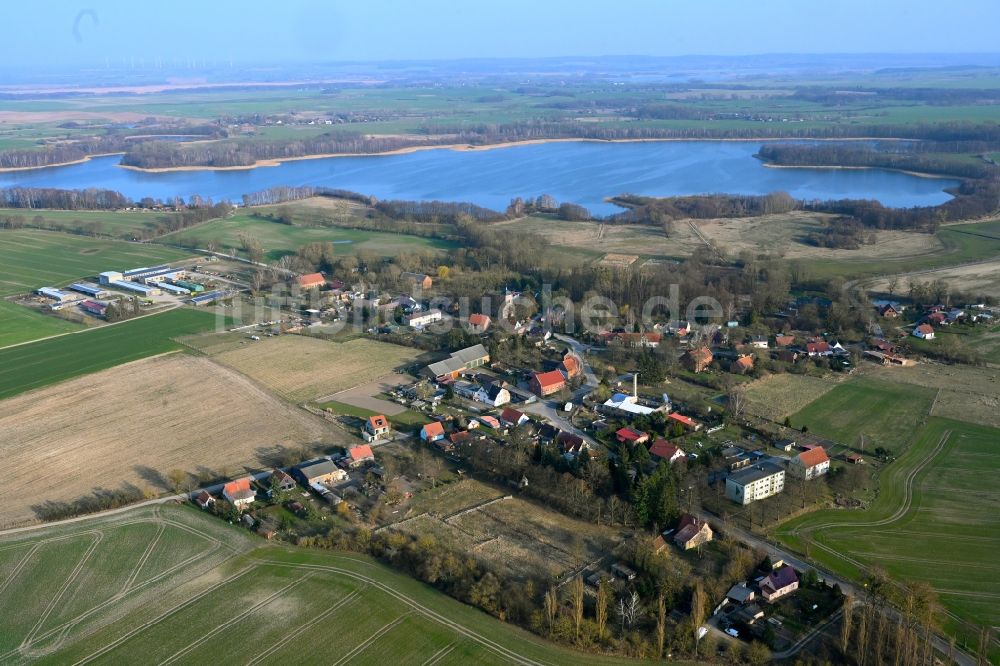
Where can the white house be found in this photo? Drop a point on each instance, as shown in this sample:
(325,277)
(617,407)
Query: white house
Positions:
(419,320)
(924,332)
(810,464)
(239,493)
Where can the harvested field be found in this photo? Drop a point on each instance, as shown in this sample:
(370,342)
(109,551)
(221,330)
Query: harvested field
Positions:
(981,279)
(302,368)
(967,393)
(514,535)
(364,396)
(134,424)
(778,396)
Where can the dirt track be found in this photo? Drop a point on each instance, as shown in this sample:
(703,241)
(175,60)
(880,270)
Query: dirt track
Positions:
(135,423)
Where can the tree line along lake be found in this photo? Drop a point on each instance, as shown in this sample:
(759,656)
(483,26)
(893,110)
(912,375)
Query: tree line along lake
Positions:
(580,172)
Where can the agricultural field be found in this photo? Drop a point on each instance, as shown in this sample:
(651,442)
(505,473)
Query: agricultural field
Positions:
(127,224)
(514,535)
(135,423)
(887,414)
(30,259)
(980,279)
(169,584)
(936,519)
(781,395)
(45,362)
(965,393)
(301,368)
(279,239)
(20,324)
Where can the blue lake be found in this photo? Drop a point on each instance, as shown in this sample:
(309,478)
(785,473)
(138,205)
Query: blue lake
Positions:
(579,172)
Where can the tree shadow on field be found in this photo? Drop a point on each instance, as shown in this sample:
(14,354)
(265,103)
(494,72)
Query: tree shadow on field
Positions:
(280,455)
(153,477)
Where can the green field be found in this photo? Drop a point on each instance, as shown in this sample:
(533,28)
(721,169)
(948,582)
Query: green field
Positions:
(50,361)
(887,414)
(30,259)
(21,324)
(118,223)
(279,240)
(172,585)
(936,519)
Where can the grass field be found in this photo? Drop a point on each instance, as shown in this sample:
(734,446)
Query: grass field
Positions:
(965,392)
(45,362)
(936,519)
(301,368)
(279,239)
(30,259)
(137,422)
(888,414)
(21,324)
(781,395)
(117,223)
(171,585)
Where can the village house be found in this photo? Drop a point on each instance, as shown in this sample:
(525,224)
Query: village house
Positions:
(421,320)
(888,311)
(239,493)
(742,365)
(570,445)
(692,532)
(686,421)
(571,365)
(547,383)
(818,348)
(479,323)
(759,342)
(779,583)
(649,340)
(697,360)
(809,464)
(376,427)
(360,455)
(432,432)
(855,458)
(281,480)
(204,499)
(661,449)
(513,418)
(741,593)
(311,281)
(630,436)
(783,340)
(755,483)
(418,279)
(494,393)
(924,332)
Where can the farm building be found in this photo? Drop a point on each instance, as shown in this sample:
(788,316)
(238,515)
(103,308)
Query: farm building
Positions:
(174,289)
(629,436)
(208,297)
(204,499)
(55,294)
(311,281)
(110,277)
(136,287)
(282,480)
(547,383)
(143,273)
(98,308)
(685,421)
(239,493)
(193,287)
(322,472)
(755,483)
(460,361)
(418,279)
(89,289)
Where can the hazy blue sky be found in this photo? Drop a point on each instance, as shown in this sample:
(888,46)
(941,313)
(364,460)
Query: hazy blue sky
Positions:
(42,31)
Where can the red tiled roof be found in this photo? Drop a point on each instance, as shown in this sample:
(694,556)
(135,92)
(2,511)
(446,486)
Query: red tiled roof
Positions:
(745,362)
(361,452)
(378,421)
(630,435)
(479,320)
(813,457)
(312,280)
(511,415)
(459,437)
(783,340)
(549,379)
(817,347)
(925,328)
(680,418)
(661,448)
(570,364)
(433,429)
(240,485)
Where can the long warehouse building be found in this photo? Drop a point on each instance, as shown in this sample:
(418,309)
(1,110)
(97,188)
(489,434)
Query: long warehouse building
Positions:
(89,288)
(136,287)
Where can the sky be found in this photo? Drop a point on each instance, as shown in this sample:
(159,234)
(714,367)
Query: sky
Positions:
(88,32)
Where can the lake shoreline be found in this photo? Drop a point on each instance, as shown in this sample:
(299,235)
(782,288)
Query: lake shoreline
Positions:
(918,174)
(82,160)
(469,147)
